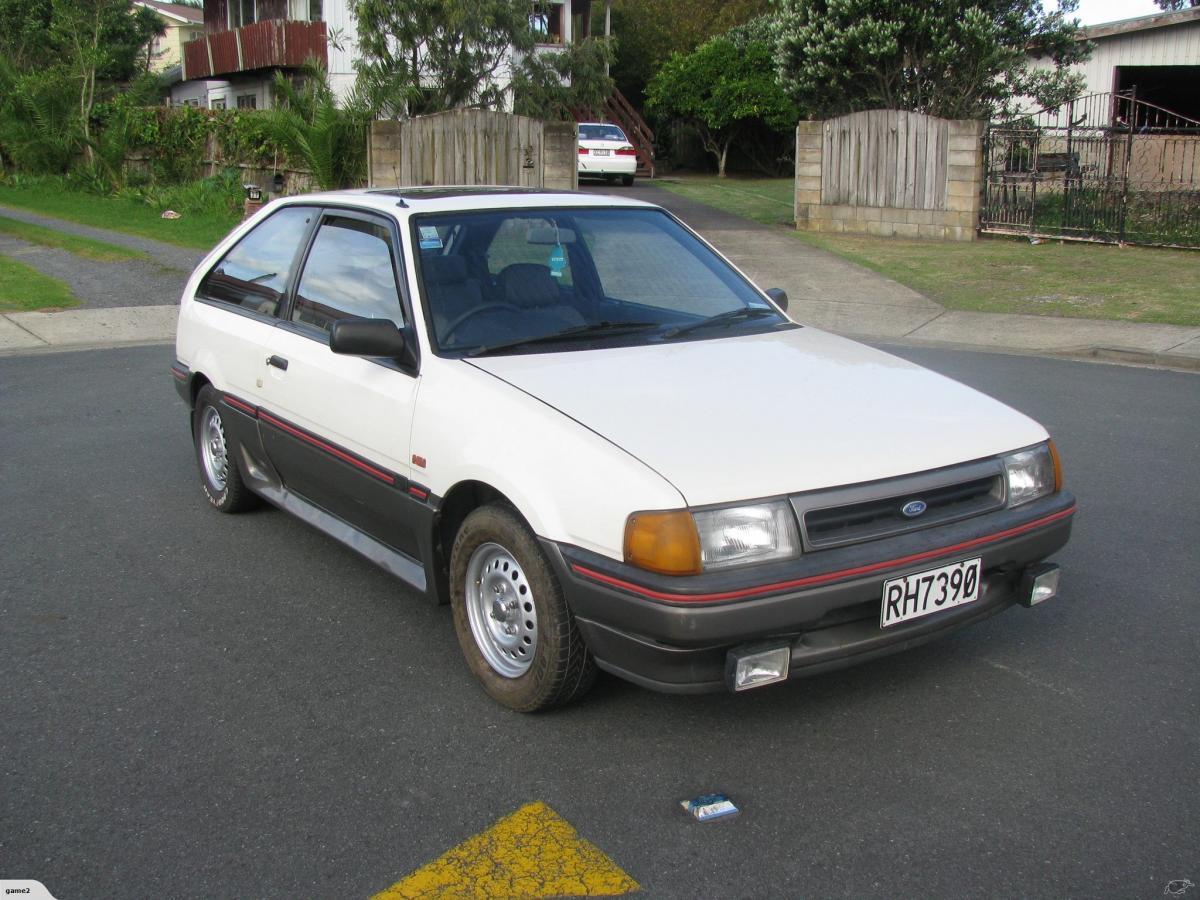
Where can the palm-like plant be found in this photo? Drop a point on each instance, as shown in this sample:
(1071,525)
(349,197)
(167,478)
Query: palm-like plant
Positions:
(39,123)
(328,139)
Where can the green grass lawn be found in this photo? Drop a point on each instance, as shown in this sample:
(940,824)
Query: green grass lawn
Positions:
(23,288)
(117,214)
(80,246)
(765,200)
(1094,281)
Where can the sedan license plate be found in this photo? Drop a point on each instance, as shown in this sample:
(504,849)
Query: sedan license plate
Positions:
(923,593)
(601,152)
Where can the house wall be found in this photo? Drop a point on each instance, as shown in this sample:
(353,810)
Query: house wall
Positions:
(1174,45)
(342,37)
(166,50)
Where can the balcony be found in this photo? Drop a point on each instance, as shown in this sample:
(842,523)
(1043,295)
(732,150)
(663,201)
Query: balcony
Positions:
(268,44)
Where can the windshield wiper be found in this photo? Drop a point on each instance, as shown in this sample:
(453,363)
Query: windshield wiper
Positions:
(741,314)
(582,332)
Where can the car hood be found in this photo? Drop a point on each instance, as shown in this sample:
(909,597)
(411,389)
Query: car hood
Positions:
(763,415)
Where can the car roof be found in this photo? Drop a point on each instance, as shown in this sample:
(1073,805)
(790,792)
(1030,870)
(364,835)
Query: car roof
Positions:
(406,201)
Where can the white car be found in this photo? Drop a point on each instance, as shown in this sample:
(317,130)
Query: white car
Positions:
(571,419)
(605,152)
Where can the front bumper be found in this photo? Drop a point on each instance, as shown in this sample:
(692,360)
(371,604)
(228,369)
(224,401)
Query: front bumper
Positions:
(674,634)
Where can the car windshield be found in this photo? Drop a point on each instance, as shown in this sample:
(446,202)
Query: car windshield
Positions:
(601,133)
(539,280)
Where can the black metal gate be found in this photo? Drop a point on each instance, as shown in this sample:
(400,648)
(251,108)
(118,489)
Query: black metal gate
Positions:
(1106,167)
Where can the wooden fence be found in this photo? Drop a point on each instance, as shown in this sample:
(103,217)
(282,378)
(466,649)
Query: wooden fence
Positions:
(473,146)
(890,172)
(885,157)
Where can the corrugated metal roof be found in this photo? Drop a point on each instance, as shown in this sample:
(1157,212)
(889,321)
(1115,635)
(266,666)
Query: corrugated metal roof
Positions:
(1141,23)
(193,14)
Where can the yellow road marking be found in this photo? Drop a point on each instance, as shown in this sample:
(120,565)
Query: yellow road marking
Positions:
(532,853)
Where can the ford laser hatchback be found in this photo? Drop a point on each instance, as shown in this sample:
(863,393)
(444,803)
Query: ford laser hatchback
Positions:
(572,420)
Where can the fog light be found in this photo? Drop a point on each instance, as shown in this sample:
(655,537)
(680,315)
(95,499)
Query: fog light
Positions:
(1039,583)
(751,670)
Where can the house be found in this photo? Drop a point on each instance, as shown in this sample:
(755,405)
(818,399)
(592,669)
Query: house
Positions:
(245,42)
(1156,57)
(183,24)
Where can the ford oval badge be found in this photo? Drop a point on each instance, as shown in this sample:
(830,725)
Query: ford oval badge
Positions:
(913,508)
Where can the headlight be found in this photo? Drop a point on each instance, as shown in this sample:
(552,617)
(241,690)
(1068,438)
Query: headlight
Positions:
(680,542)
(737,535)
(1032,473)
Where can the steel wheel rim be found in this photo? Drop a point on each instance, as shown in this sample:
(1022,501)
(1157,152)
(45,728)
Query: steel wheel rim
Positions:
(501,610)
(214,452)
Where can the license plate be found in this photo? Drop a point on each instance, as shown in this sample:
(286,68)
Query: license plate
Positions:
(601,152)
(924,593)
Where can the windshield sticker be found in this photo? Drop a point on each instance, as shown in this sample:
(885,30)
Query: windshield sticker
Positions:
(558,261)
(429,238)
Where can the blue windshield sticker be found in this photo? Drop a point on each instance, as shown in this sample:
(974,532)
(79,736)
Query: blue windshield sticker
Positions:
(558,261)
(429,238)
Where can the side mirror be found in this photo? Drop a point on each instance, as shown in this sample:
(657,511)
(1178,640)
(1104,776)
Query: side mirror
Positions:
(779,295)
(353,336)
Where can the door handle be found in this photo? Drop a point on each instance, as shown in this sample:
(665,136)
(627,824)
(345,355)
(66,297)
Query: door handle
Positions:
(278,362)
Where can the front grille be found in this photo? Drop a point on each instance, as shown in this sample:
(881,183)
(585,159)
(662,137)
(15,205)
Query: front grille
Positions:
(867,512)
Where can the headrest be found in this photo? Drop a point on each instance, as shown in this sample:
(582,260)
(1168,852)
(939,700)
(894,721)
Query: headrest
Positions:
(530,284)
(445,269)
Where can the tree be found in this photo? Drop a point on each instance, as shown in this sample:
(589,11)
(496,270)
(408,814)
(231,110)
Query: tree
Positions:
(555,85)
(64,57)
(958,59)
(1177,4)
(648,32)
(422,56)
(722,87)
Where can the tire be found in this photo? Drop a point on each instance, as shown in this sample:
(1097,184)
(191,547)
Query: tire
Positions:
(627,180)
(220,477)
(511,617)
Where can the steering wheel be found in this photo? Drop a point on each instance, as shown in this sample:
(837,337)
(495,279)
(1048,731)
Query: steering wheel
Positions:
(471,313)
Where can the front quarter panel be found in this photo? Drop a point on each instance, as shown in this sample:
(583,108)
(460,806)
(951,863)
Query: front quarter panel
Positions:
(569,483)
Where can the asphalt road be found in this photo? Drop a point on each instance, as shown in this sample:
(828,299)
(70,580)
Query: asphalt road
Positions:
(197,705)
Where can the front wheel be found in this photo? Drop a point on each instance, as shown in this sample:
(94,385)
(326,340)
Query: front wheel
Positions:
(511,617)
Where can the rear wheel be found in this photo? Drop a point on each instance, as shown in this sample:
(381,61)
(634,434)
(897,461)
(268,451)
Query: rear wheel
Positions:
(219,473)
(511,617)
(627,180)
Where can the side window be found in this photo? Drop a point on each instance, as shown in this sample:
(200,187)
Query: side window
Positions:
(348,273)
(255,273)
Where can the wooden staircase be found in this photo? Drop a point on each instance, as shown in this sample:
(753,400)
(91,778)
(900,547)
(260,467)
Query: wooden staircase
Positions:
(619,110)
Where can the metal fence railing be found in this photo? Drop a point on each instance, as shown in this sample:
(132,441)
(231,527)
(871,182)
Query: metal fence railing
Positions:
(1106,167)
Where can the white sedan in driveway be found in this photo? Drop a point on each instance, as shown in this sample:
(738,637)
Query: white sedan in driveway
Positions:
(605,152)
(571,419)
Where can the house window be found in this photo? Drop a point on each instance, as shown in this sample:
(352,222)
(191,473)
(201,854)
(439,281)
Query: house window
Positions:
(247,101)
(305,10)
(217,104)
(546,23)
(242,12)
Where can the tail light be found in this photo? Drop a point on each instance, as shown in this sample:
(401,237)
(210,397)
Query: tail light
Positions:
(583,151)
(626,151)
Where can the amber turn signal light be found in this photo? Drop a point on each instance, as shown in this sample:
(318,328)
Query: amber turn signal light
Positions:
(663,542)
(1058,473)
